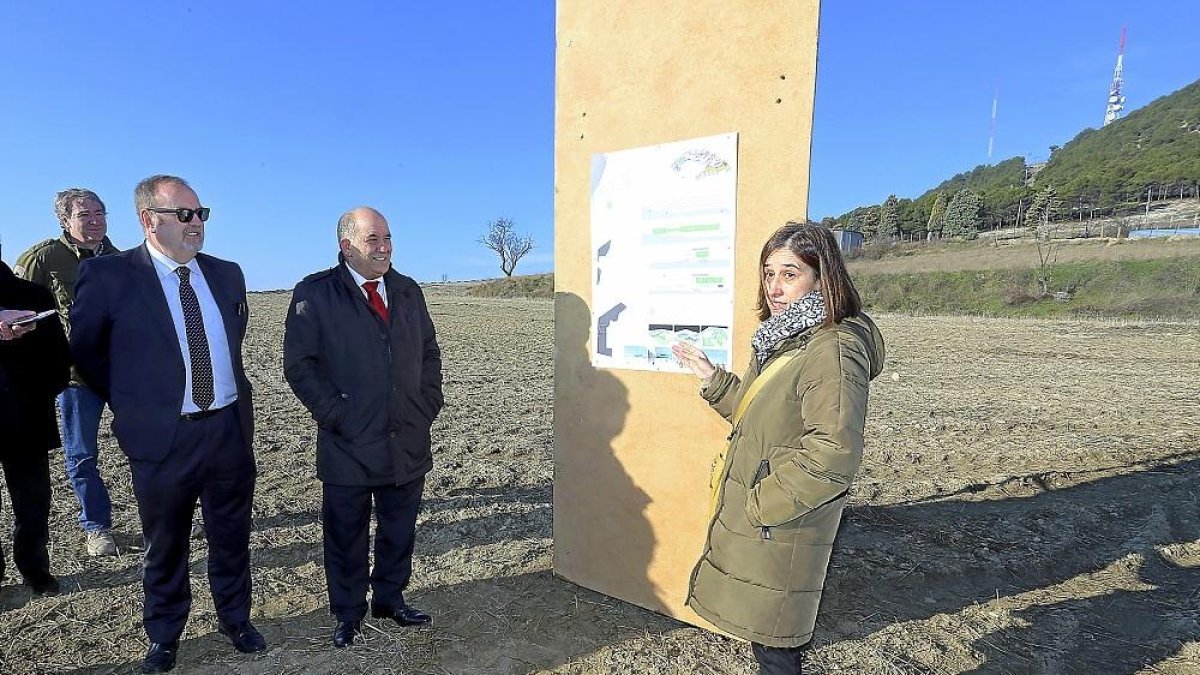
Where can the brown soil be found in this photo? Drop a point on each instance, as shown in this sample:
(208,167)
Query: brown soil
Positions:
(1028,504)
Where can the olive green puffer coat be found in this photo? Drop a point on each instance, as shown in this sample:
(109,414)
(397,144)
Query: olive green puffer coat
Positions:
(787,469)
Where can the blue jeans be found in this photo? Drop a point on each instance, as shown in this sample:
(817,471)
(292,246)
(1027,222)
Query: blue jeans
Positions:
(80,408)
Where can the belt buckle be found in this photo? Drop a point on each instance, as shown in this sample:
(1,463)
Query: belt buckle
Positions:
(201,414)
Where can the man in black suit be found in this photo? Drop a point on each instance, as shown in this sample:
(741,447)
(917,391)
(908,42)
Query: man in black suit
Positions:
(157,332)
(34,367)
(360,353)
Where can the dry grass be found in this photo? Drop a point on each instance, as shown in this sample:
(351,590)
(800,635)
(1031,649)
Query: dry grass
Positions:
(980,255)
(1027,505)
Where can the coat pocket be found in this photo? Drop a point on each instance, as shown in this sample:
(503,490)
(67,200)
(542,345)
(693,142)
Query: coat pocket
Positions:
(355,420)
(764,470)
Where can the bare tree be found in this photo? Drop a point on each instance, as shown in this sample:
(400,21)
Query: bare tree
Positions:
(1044,231)
(503,240)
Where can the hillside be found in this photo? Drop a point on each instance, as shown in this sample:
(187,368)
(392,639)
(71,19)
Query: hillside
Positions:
(1157,147)
(1152,151)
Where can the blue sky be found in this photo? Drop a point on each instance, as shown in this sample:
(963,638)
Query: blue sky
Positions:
(905,89)
(284,115)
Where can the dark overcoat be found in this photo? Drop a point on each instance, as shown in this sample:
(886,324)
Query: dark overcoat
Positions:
(34,368)
(373,387)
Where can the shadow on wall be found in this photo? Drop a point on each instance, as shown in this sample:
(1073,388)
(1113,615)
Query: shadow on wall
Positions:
(602,539)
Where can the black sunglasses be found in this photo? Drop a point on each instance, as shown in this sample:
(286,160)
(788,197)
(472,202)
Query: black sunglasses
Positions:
(184,214)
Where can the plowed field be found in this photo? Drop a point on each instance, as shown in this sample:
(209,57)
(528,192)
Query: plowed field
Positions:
(1028,504)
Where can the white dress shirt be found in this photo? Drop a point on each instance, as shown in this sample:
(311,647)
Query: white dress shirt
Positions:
(224,384)
(360,280)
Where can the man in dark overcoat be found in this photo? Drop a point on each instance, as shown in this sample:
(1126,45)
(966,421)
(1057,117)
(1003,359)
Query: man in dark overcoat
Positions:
(360,353)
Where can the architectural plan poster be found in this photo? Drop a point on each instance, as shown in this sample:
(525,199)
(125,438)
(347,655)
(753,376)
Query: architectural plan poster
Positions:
(663,221)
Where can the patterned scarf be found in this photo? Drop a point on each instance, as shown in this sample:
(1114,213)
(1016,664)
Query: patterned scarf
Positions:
(801,315)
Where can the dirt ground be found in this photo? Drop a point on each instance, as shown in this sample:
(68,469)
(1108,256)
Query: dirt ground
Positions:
(1028,504)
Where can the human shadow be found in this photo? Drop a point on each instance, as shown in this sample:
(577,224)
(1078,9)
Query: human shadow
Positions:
(496,626)
(894,564)
(287,519)
(477,497)
(435,537)
(907,562)
(1125,631)
(602,538)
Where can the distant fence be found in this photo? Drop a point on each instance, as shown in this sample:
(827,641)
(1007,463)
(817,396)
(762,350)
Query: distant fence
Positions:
(1177,231)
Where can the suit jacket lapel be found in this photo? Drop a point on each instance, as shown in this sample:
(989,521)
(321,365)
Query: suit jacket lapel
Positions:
(226,303)
(152,293)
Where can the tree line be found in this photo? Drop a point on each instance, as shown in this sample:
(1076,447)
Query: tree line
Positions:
(1151,155)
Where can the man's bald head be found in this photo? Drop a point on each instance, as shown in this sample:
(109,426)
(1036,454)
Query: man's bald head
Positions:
(351,219)
(365,242)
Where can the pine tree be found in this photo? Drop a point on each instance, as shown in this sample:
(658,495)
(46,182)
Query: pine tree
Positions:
(962,215)
(936,214)
(1041,209)
(866,220)
(889,219)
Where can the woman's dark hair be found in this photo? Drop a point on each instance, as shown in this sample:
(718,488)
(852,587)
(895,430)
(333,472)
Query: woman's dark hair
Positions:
(815,246)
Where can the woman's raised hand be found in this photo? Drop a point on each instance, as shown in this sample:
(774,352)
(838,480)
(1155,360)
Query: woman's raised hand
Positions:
(693,358)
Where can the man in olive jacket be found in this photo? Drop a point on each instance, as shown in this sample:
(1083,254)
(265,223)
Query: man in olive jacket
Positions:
(360,353)
(34,367)
(54,264)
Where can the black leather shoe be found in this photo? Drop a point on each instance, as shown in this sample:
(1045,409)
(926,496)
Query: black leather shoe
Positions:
(160,658)
(46,585)
(344,632)
(403,615)
(244,636)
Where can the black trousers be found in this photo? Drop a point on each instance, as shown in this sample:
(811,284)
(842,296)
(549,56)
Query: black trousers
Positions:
(27,475)
(346,516)
(779,660)
(210,463)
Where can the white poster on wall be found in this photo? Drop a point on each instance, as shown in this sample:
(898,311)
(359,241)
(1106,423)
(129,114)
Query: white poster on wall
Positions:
(663,219)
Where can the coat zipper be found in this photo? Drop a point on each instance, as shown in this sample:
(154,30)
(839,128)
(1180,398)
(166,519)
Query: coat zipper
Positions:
(764,470)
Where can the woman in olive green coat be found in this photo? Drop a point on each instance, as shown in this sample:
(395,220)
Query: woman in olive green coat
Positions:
(797,441)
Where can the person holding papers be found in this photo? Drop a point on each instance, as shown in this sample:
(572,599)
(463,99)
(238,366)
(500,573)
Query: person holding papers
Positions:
(34,367)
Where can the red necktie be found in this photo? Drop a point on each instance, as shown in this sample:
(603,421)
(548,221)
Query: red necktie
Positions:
(376,300)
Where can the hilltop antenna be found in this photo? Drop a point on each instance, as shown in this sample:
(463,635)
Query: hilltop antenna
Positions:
(992,133)
(1116,100)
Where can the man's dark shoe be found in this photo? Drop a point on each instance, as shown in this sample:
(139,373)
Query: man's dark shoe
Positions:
(46,585)
(403,615)
(160,658)
(244,636)
(344,632)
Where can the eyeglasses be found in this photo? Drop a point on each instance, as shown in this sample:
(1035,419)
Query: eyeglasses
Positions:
(88,215)
(185,214)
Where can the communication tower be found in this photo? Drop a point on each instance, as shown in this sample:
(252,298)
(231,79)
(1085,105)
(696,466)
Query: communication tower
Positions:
(1116,100)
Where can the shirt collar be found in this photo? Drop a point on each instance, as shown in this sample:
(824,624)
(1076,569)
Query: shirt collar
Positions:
(79,250)
(359,279)
(165,266)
